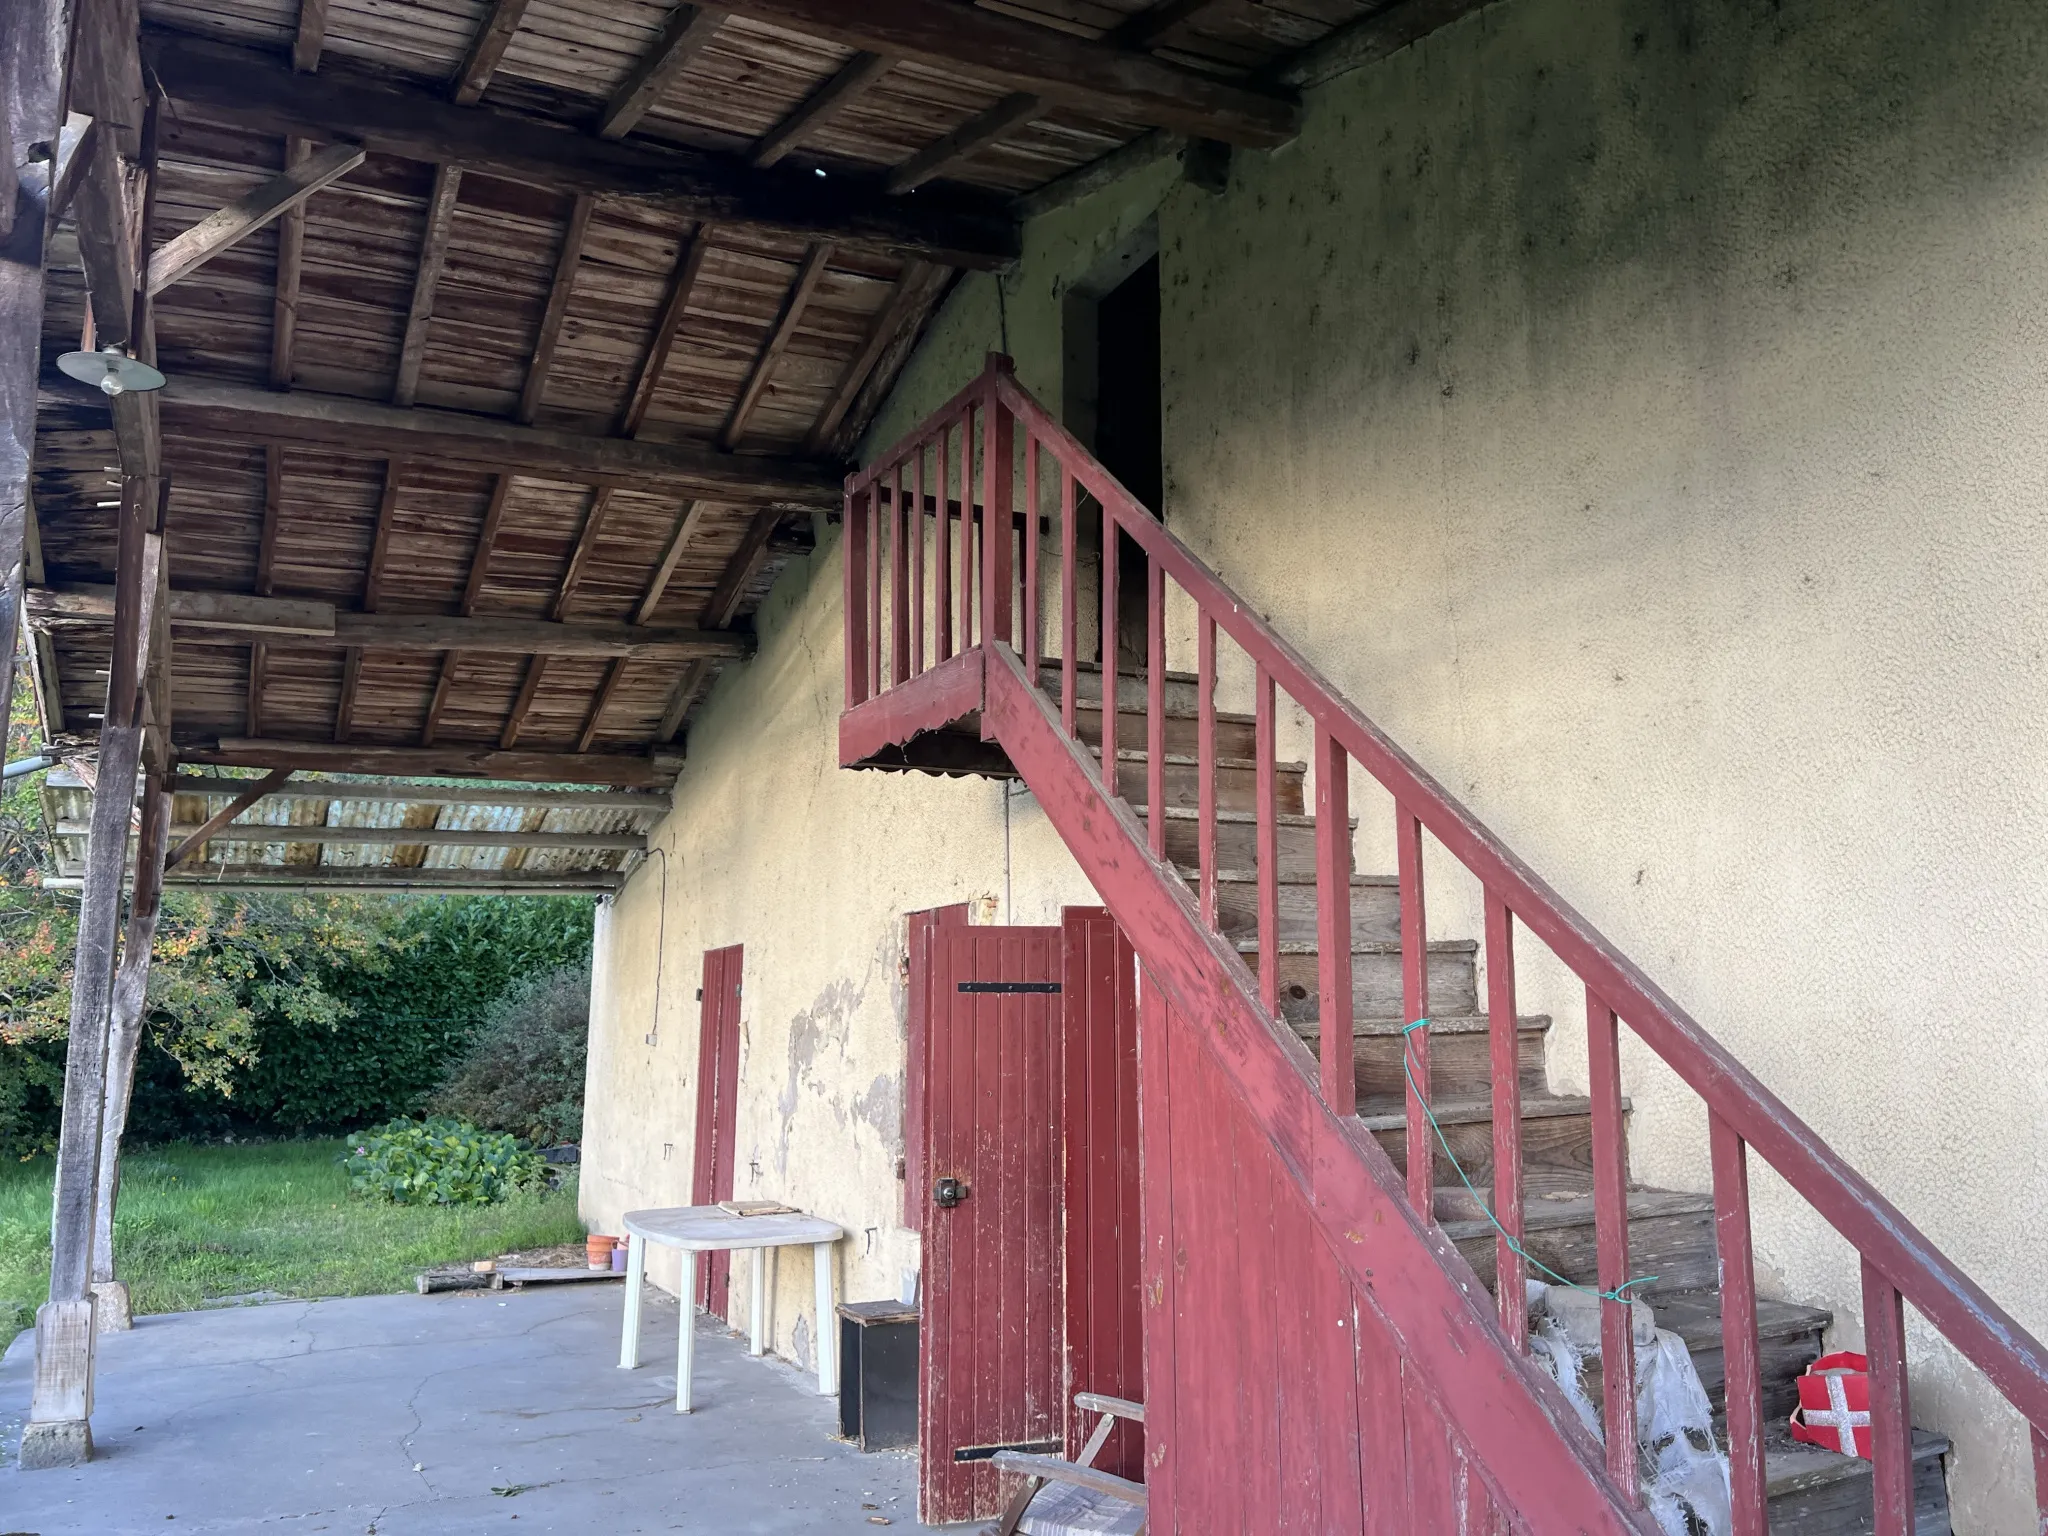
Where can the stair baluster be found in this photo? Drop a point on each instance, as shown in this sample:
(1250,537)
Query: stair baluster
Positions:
(1415,1006)
(1155,706)
(1205,761)
(1891,1424)
(1610,1216)
(1339,1056)
(1268,842)
(1739,1344)
(1505,1059)
(1070,604)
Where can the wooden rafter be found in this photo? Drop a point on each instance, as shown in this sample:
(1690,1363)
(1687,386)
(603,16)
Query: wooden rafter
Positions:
(273,877)
(557,311)
(622,771)
(689,266)
(1149,28)
(688,524)
(479,567)
(1125,160)
(686,33)
(969,139)
(273,511)
(689,684)
(488,49)
(380,543)
(579,558)
(426,280)
(311,36)
(889,320)
(692,519)
(1367,40)
(197,839)
(522,706)
(239,413)
(724,604)
(243,88)
(1095,76)
(259,666)
(291,258)
(189,250)
(444,686)
(930,290)
(351,676)
(799,295)
(854,79)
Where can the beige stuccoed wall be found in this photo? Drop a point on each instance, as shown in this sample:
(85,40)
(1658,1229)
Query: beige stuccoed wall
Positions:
(1639,410)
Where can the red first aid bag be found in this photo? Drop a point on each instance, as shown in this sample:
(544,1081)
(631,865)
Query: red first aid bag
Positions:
(1834,1405)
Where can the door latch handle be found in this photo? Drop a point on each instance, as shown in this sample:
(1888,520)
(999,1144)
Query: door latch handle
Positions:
(948,1193)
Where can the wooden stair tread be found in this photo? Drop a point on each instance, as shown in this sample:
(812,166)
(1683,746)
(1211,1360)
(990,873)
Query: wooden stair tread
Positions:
(1544,1213)
(1192,873)
(1392,1026)
(1695,1316)
(1535,1106)
(1249,945)
(1791,1467)
(1189,760)
(1243,818)
(1053,665)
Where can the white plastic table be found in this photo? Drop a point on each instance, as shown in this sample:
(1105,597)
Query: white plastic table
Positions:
(708,1229)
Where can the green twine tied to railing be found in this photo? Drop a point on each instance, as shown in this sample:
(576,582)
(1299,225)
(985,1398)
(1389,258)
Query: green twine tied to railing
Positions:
(1619,1293)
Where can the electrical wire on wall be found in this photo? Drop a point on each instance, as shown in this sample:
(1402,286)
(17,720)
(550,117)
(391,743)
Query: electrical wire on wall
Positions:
(653,1035)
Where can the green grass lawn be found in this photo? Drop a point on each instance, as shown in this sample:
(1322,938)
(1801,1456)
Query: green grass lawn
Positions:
(197,1223)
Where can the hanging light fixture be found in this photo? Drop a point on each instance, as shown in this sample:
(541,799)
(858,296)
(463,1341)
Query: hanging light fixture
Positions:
(112,370)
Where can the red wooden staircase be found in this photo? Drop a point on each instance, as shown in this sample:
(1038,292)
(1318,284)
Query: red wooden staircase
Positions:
(1322,1349)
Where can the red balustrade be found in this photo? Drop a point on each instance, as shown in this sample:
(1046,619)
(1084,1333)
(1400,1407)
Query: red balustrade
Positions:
(901,625)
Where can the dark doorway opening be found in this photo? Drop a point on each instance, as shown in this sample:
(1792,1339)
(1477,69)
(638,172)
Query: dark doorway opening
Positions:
(1113,406)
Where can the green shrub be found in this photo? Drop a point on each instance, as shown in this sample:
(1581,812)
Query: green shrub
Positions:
(440,1162)
(523,1073)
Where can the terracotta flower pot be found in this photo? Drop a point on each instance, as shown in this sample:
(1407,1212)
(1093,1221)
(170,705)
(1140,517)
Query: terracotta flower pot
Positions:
(597,1250)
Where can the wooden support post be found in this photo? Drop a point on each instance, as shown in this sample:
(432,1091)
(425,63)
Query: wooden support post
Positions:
(124,1039)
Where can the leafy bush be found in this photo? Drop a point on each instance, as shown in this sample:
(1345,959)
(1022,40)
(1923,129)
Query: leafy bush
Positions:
(523,1073)
(440,1162)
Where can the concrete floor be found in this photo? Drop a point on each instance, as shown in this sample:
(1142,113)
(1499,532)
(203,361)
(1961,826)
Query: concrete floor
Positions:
(447,1414)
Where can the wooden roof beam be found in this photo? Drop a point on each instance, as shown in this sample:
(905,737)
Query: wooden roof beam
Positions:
(230,412)
(688,30)
(186,252)
(852,82)
(1367,40)
(260,832)
(1149,28)
(426,281)
(290,877)
(291,261)
(1095,76)
(793,304)
(244,88)
(308,624)
(639,801)
(623,771)
(488,49)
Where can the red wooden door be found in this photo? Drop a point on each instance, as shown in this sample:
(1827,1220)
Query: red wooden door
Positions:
(718,1084)
(990,1370)
(1102,1233)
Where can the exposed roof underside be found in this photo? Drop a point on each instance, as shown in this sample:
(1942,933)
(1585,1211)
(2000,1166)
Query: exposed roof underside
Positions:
(477,457)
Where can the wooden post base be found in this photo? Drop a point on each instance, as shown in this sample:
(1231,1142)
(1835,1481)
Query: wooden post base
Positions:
(112,1313)
(55,1443)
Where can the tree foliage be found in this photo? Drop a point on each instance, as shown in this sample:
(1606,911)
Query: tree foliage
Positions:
(266,1012)
(523,1072)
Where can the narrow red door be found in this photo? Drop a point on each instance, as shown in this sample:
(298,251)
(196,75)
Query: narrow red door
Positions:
(989,1371)
(718,1085)
(1100,1247)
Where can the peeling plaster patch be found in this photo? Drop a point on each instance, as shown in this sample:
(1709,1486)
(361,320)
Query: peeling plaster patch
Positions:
(881,1106)
(800,1343)
(827,1018)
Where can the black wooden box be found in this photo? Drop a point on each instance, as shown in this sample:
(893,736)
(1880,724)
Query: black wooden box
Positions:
(878,1374)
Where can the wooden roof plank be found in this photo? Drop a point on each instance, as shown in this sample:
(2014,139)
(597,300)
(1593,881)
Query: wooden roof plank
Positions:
(244,88)
(310,37)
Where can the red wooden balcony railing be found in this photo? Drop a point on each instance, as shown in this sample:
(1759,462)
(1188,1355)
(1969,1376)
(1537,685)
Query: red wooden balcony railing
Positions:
(935,571)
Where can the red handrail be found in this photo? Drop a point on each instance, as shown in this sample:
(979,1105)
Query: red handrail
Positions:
(1899,1261)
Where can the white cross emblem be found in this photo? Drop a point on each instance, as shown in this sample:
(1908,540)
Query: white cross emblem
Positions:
(1838,1417)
